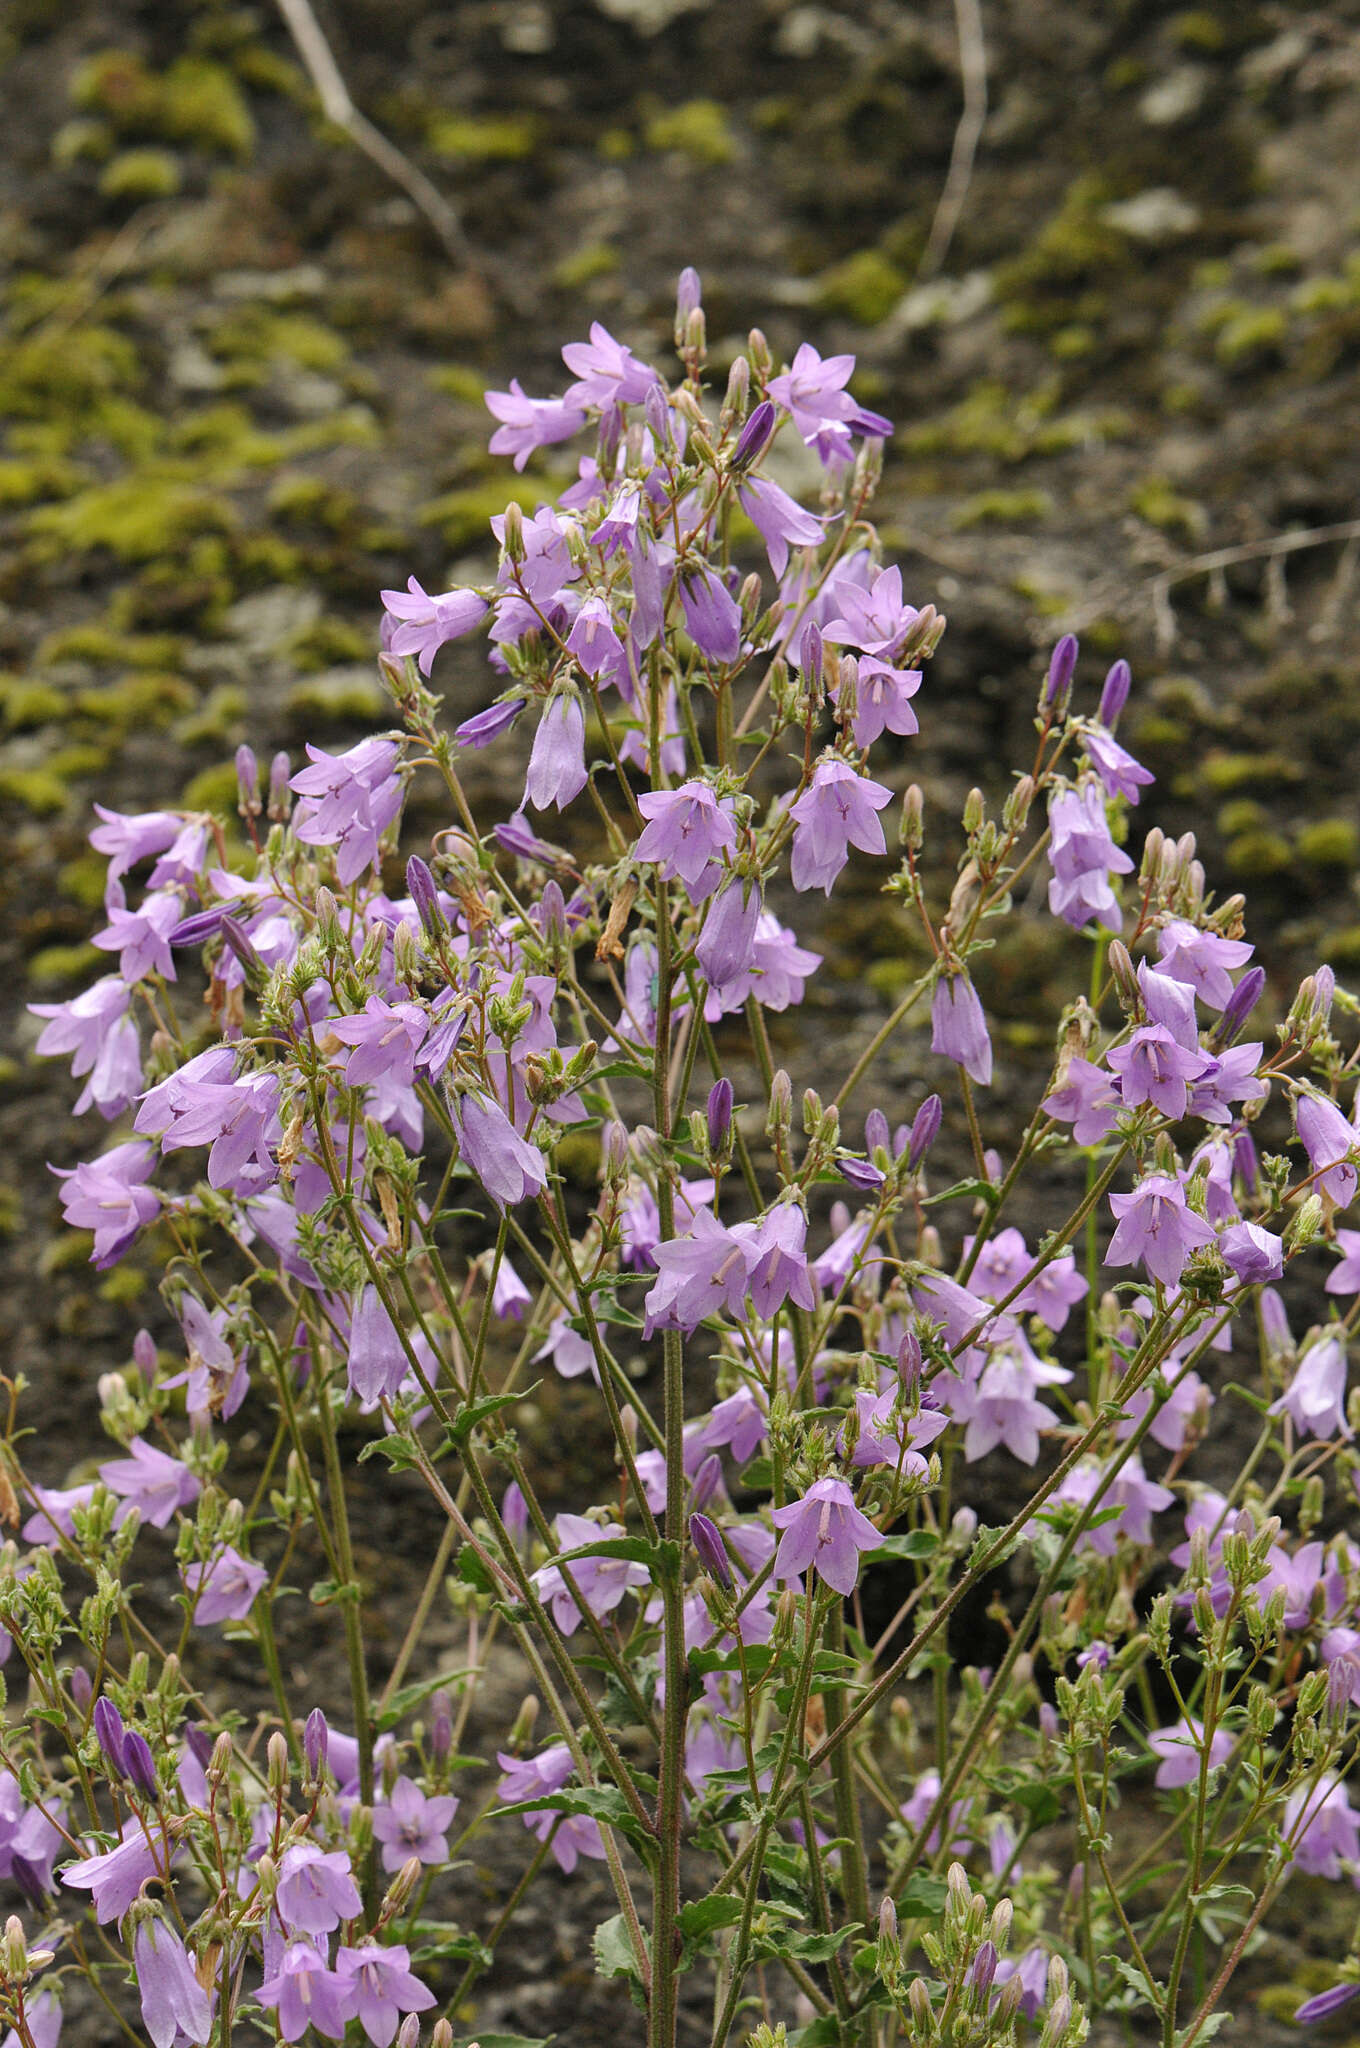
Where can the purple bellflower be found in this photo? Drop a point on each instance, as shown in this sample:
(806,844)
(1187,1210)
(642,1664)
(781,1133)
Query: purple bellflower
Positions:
(174,2004)
(958,1028)
(1315,1400)
(425,623)
(687,832)
(834,814)
(508,1168)
(109,1196)
(305,1992)
(825,1531)
(528,424)
(1328,1139)
(381,1987)
(557,763)
(225,1588)
(1156,1226)
(316,1889)
(95,1028)
(349,800)
(408,1824)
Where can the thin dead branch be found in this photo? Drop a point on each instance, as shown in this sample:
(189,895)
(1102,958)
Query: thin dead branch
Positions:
(973,66)
(340,109)
(1272,552)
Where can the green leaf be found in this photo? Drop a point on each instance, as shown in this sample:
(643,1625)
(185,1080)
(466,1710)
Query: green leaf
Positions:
(442,1941)
(803,1948)
(473,1413)
(471,1571)
(661,1559)
(970,1190)
(925,1897)
(1040,1802)
(915,1543)
(614,1957)
(700,1919)
(400,1452)
(408,1696)
(602,1803)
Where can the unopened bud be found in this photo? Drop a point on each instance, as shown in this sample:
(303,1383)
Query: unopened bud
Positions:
(779,1120)
(911,828)
(218,1768)
(110,1733)
(1015,810)
(441,1726)
(974,811)
(420,886)
(877,1134)
(810,657)
(720,1116)
(280,795)
(247,783)
(1115,694)
(277,1763)
(401,1888)
(512,533)
(441,2034)
(1240,1005)
(707,1481)
(408,2033)
(316,1739)
(140,1765)
(1058,682)
(737,396)
(1125,978)
(710,1550)
(925,1128)
(983,1969)
(755,438)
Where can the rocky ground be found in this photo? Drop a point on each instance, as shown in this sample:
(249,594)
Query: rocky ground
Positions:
(241,384)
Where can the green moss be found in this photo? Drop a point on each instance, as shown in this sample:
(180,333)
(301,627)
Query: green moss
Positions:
(83,142)
(864,288)
(35,790)
(24,705)
(455,380)
(214,789)
(463,516)
(123,1286)
(267,71)
(1155,734)
(1009,426)
(341,699)
(219,719)
(38,479)
(1342,949)
(201,103)
(1222,773)
(1257,855)
(1001,508)
(616,145)
(12,1210)
(1248,339)
(1276,259)
(79,763)
(92,363)
(141,174)
(697,129)
(595,260)
(1324,295)
(469,138)
(102,647)
(82,880)
(258,335)
(137,700)
(1328,843)
(1156,500)
(138,518)
(1243,814)
(116,83)
(67,1253)
(1200,30)
(1073,344)
(56,964)
(310,501)
(1076,246)
(325,644)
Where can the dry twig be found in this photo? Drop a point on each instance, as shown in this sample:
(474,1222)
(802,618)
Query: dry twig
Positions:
(973,65)
(340,109)
(1272,552)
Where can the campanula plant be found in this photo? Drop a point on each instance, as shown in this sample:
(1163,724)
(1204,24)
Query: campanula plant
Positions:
(821,1320)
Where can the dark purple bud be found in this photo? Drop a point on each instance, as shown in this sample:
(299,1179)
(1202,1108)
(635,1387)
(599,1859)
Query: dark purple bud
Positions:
(984,1968)
(909,1361)
(876,1131)
(203,925)
(1326,2003)
(238,939)
(316,1742)
(80,1687)
(658,413)
(707,1481)
(1060,667)
(1245,1163)
(925,1128)
(441,1725)
(280,795)
(139,1764)
(719,1114)
(31,1879)
(1240,1004)
(1115,694)
(488,725)
(110,1733)
(756,436)
(144,1351)
(420,887)
(710,1550)
(810,656)
(861,1173)
(199,1743)
(247,783)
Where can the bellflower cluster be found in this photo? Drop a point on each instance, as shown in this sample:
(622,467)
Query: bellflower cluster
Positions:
(808,1715)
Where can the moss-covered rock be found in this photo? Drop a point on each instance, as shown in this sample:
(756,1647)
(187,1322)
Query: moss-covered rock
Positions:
(479,139)
(140,517)
(1257,855)
(1328,843)
(864,288)
(139,175)
(1002,508)
(1221,772)
(697,129)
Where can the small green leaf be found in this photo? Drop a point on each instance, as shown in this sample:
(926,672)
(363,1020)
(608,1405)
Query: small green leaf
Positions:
(473,1413)
(408,1697)
(916,1543)
(1040,1802)
(925,1898)
(964,1190)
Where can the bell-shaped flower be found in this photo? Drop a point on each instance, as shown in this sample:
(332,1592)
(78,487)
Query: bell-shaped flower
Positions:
(836,812)
(1156,1226)
(687,832)
(174,2003)
(958,1027)
(826,1532)
(528,423)
(557,762)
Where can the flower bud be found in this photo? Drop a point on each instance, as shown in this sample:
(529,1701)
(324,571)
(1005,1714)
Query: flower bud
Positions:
(983,1970)
(80,1687)
(707,1481)
(779,1121)
(737,397)
(1062,663)
(110,1734)
(877,1135)
(911,827)
(810,658)
(408,2033)
(247,783)
(280,795)
(1015,810)
(522,1732)
(925,1128)
(720,1116)
(441,2034)
(512,533)
(614,1153)
(218,1767)
(1115,694)
(316,1739)
(276,1755)
(710,1550)
(420,887)
(974,811)
(238,941)
(441,1726)
(401,1888)
(754,439)
(1125,978)
(918,1998)
(140,1765)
